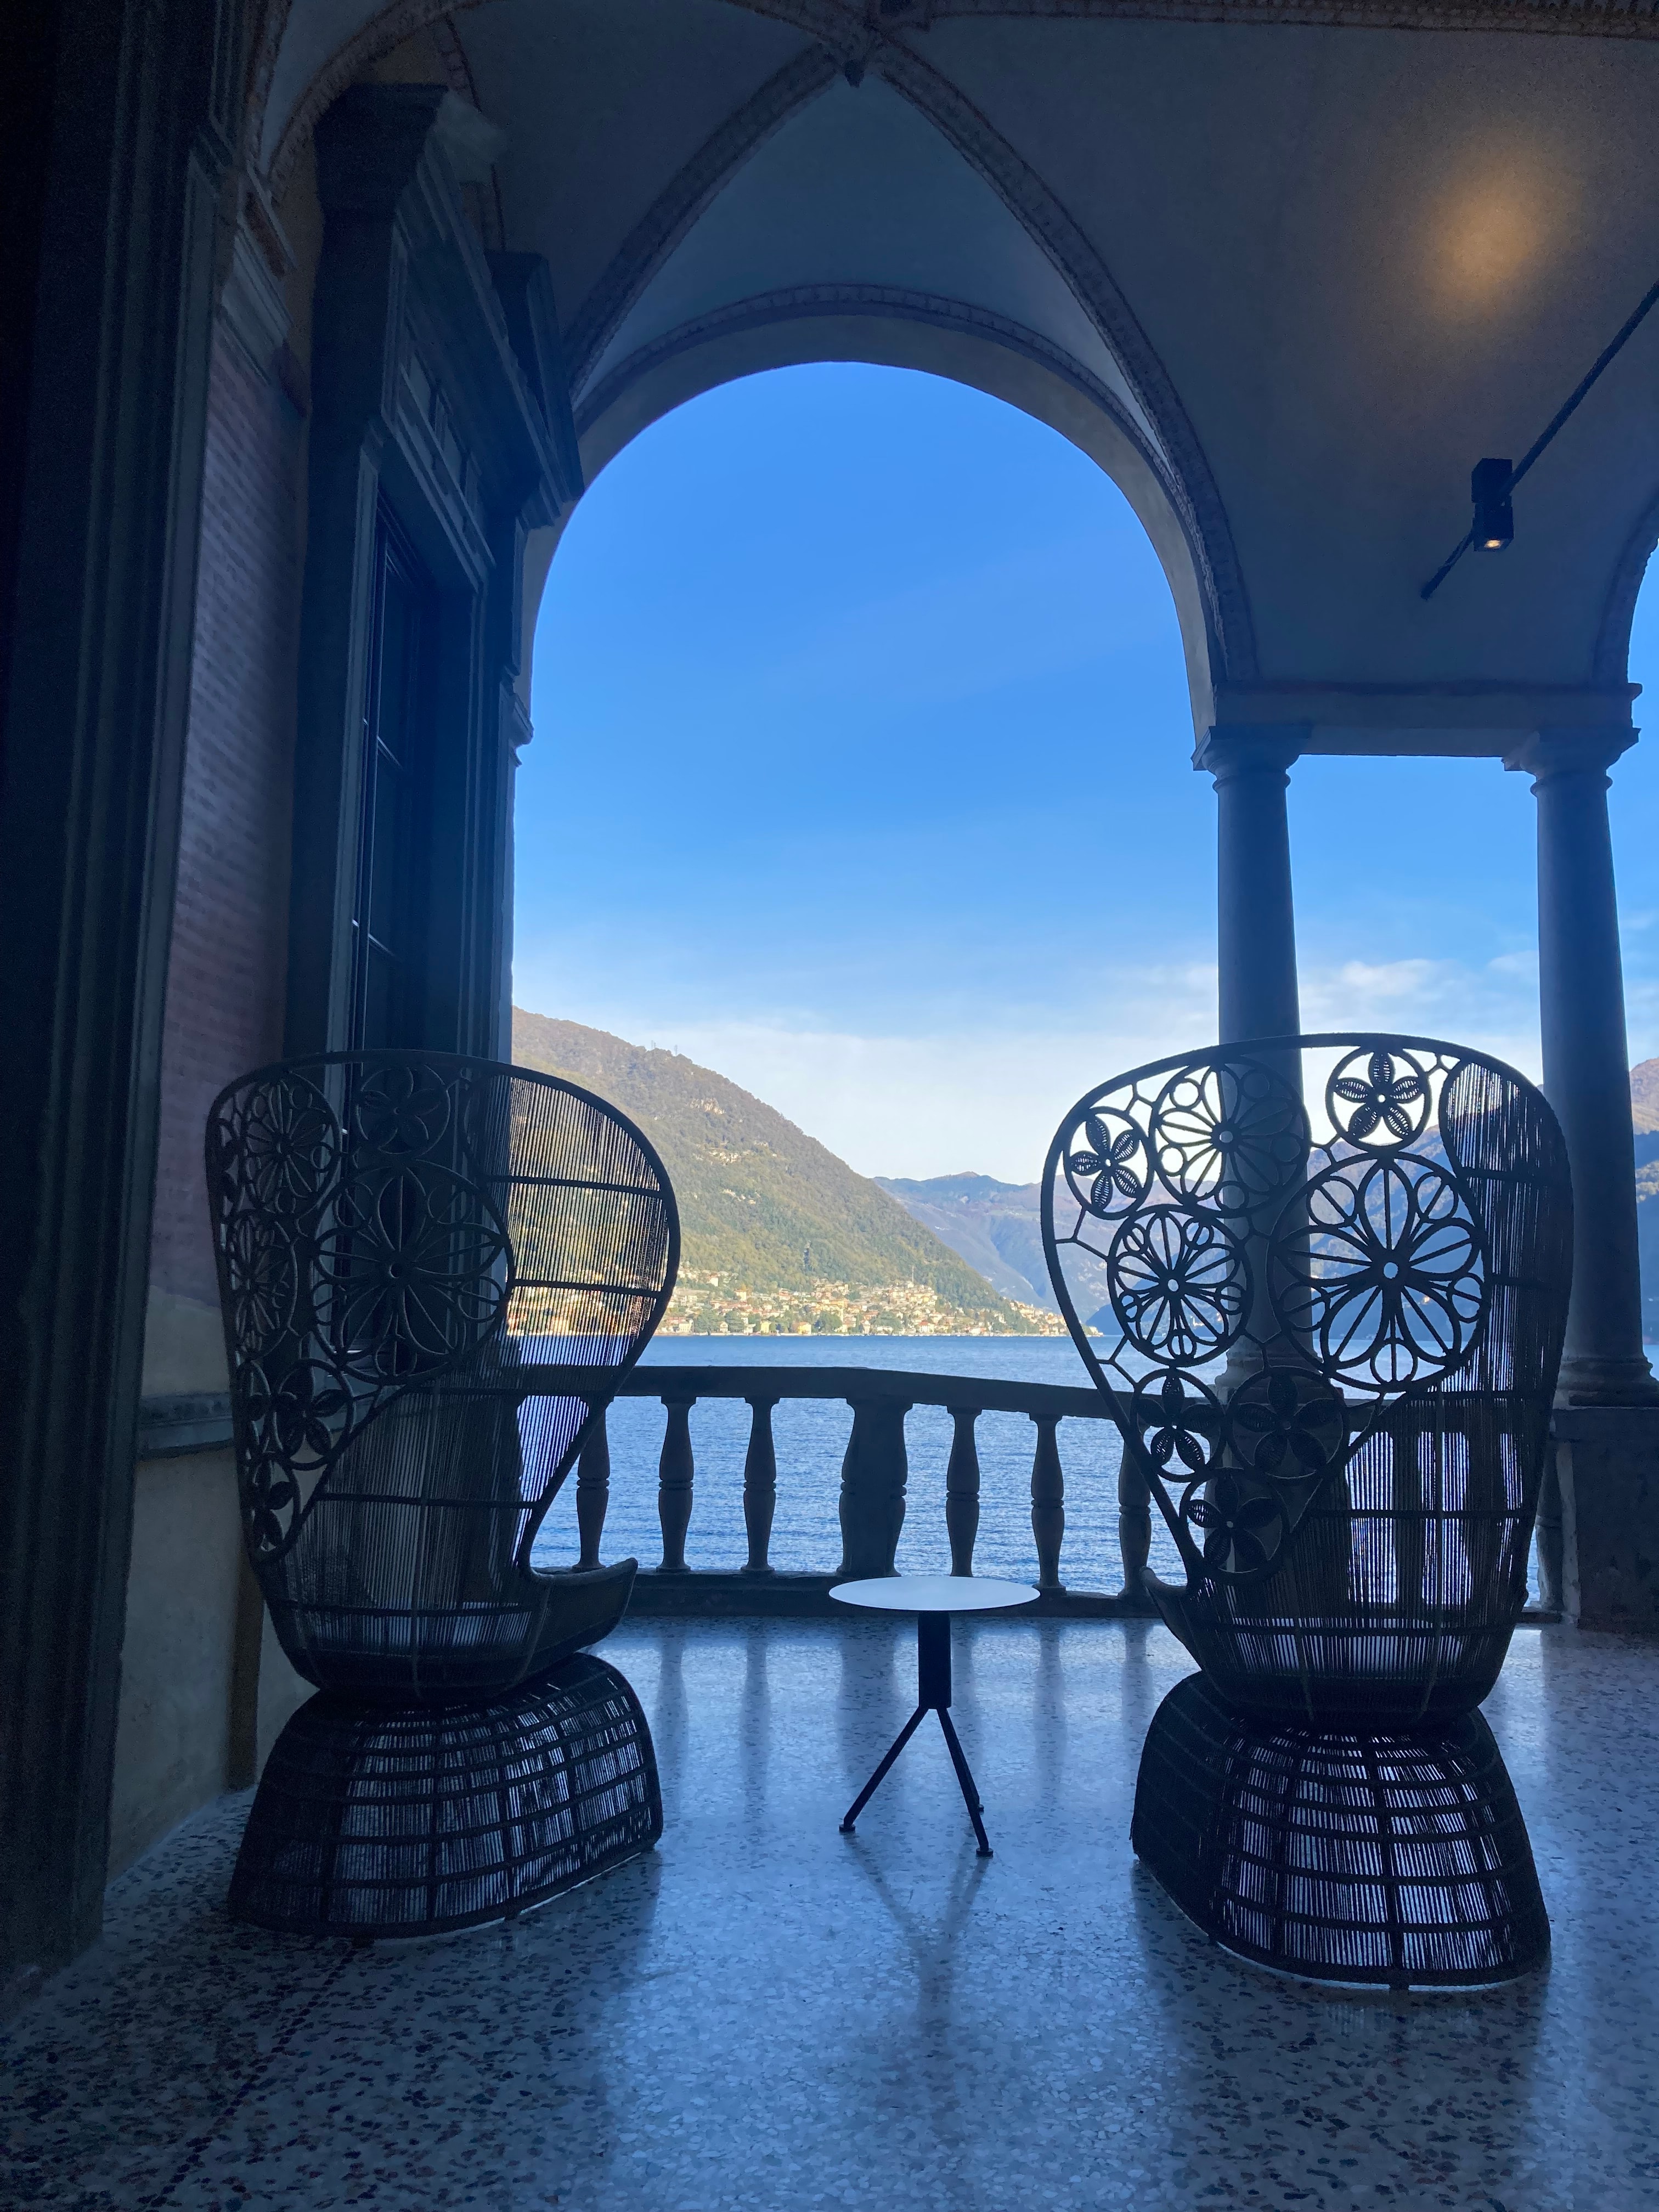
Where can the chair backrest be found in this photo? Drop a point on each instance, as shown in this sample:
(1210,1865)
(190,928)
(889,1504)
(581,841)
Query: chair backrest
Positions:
(1330,1341)
(399,1235)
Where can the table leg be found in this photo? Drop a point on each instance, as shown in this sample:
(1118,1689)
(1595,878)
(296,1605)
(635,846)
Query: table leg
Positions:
(970,1788)
(876,1779)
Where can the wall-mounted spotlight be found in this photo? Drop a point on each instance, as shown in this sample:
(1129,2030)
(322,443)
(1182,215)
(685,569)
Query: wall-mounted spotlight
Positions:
(1494,517)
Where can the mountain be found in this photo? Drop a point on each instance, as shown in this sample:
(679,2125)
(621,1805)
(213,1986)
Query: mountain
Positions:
(777,1233)
(995,1226)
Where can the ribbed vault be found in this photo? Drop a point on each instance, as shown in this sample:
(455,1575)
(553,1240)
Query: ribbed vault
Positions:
(1287,272)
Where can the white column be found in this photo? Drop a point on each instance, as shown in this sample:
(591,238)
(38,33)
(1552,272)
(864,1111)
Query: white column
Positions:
(1586,1058)
(1256,913)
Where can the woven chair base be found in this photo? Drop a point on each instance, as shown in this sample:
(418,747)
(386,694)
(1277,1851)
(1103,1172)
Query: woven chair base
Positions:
(381,1822)
(1398,1860)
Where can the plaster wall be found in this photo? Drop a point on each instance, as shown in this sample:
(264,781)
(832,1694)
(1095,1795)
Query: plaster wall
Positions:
(179,1726)
(205,1686)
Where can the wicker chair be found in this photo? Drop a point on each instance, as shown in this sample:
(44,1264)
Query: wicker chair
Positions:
(414,1253)
(1330,1349)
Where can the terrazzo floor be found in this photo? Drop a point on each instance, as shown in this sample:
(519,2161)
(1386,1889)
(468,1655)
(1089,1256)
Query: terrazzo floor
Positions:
(765,2013)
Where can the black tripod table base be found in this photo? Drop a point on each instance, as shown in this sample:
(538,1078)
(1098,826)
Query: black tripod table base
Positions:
(958,1759)
(933,1696)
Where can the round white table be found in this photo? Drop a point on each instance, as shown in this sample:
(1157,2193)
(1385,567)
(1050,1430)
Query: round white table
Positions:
(933,1599)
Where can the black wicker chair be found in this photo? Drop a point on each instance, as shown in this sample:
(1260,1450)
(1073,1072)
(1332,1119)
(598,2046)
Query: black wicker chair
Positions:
(413,1250)
(1331,1351)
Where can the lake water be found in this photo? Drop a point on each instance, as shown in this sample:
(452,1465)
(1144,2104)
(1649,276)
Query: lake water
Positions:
(810,1436)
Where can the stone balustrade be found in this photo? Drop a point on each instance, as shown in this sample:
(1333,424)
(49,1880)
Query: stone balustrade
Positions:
(873,1479)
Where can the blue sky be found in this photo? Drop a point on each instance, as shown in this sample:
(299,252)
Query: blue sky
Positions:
(862,774)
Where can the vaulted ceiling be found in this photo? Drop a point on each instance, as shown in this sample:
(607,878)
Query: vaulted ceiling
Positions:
(1287,278)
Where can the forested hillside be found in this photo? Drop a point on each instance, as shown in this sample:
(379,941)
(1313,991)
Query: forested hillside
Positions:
(779,1234)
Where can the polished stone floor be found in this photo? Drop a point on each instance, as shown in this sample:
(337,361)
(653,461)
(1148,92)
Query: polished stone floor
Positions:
(765,2013)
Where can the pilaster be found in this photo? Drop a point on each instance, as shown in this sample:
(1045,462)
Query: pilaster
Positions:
(430,399)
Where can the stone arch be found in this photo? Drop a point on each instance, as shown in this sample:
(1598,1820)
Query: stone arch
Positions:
(1612,643)
(886,328)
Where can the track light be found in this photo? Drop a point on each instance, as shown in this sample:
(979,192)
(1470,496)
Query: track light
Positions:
(1493,483)
(1494,517)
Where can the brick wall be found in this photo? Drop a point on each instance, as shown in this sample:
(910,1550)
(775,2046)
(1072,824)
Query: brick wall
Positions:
(226,970)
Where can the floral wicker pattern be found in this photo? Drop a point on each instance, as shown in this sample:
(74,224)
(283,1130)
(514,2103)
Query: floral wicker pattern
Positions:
(367,1208)
(1254,1292)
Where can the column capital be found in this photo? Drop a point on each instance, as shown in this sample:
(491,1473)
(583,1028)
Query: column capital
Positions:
(1568,749)
(1227,749)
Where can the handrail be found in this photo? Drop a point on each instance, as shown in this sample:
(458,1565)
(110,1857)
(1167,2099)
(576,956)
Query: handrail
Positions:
(873,1476)
(985,1393)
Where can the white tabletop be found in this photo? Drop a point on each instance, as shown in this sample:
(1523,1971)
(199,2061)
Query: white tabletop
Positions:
(934,1593)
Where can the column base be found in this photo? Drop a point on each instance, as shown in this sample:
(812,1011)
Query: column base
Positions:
(1607,1464)
(1591,1381)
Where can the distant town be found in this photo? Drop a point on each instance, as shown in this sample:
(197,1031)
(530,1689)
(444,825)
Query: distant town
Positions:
(703,1305)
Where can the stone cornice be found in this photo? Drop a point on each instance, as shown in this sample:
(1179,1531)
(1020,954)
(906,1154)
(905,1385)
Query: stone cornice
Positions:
(1626,18)
(377,36)
(853,30)
(1478,718)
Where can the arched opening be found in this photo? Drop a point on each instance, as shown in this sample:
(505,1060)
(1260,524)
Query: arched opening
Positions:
(860,780)
(893,669)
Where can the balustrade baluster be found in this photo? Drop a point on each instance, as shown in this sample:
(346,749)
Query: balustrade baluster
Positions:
(961,1490)
(1048,1501)
(873,1475)
(1135,1529)
(675,1470)
(760,1486)
(592,1492)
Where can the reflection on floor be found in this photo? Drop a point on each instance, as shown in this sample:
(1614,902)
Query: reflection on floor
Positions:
(767,2015)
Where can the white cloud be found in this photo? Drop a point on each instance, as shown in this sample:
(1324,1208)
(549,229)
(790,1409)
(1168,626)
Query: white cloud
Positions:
(986,1098)
(1493,1006)
(986,1093)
